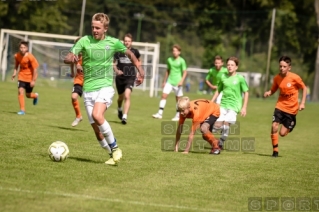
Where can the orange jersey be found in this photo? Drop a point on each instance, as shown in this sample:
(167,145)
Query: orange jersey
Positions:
(289,88)
(27,64)
(78,79)
(200,110)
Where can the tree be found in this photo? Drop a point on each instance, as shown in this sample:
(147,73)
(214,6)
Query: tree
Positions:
(315,94)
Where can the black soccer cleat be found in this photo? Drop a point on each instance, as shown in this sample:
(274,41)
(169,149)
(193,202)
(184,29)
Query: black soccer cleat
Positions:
(124,121)
(119,114)
(275,154)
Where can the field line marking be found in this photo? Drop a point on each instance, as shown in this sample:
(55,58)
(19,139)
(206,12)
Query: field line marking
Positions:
(106,199)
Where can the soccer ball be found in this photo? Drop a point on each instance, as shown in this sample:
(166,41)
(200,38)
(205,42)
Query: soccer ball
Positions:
(58,151)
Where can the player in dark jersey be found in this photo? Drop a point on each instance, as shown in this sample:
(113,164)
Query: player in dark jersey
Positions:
(125,77)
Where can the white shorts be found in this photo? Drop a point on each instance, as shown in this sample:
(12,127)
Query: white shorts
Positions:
(227,115)
(219,98)
(103,95)
(177,89)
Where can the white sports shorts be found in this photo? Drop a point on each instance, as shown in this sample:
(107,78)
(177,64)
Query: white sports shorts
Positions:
(177,89)
(104,95)
(227,115)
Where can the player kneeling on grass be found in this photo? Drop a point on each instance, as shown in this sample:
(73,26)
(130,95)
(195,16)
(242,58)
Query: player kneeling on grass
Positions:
(287,105)
(204,114)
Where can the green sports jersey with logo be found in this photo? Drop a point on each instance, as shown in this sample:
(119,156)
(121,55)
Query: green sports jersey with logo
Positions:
(214,76)
(176,68)
(97,60)
(232,87)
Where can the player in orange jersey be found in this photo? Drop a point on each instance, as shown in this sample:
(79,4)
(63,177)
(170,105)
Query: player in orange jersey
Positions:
(287,105)
(27,76)
(77,88)
(204,114)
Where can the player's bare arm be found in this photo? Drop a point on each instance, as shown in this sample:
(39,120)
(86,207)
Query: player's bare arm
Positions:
(137,64)
(72,70)
(214,87)
(70,58)
(215,96)
(189,142)
(243,111)
(16,66)
(116,70)
(165,77)
(178,136)
(34,77)
(303,100)
(183,78)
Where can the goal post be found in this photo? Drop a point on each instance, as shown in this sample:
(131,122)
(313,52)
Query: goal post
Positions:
(49,49)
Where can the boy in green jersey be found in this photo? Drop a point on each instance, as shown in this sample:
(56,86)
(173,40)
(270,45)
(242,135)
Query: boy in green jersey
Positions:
(97,51)
(215,74)
(233,86)
(173,80)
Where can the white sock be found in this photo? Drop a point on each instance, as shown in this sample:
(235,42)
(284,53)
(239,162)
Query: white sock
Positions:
(119,109)
(124,116)
(106,130)
(105,146)
(162,106)
(225,133)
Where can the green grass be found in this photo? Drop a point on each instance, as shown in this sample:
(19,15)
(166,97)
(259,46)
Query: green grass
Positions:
(147,178)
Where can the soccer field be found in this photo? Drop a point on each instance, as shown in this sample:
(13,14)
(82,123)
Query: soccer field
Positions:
(150,177)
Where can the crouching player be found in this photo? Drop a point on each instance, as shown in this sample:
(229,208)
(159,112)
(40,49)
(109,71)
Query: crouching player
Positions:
(204,114)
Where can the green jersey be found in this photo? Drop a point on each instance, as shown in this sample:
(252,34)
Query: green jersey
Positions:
(97,60)
(176,68)
(214,76)
(232,87)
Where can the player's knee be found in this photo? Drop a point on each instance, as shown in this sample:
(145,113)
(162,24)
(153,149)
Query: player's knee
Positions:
(98,118)
(28,95)
(283,133)
(204,128)
(274,127)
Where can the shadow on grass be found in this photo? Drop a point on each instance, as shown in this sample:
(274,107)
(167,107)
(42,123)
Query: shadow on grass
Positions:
(115,122)
(67,128)
(260,154)
(83,160)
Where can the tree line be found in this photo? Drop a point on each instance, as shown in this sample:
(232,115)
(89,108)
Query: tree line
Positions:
(203,28)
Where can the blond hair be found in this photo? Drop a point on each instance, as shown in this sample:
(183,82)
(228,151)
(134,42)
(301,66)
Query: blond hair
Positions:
(103,18)
(183,103)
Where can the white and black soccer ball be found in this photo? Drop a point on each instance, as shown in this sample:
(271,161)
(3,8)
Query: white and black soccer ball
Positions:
(58,151)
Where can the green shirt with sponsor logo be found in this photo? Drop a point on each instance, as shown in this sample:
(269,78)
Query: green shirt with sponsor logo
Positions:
(176,67)
(232,87)
(97,60)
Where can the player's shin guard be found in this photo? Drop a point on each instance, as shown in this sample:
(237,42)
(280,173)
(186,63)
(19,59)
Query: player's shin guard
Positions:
(161,106)
(105,146)
(274,140)
(209,137)
(223,138)
(21,102)
(106,130)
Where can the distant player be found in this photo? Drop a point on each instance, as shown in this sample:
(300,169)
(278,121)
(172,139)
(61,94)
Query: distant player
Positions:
(98,51)
(125,77)
(215,74)
(173,80)
(27,75)
(287,105)
(233,86)
(204,114)
(77,88)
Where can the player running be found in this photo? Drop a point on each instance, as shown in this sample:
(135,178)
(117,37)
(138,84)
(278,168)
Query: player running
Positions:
(287,106)
(27,76)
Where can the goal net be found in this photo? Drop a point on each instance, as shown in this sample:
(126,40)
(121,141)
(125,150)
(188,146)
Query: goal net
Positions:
(50,50)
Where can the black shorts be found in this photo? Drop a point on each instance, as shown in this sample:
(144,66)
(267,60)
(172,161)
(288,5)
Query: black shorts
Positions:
(286,119)
(123,83)
(26,86)
(77,89)
(211,121)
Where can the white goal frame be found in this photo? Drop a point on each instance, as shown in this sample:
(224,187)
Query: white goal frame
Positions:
(148,50)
